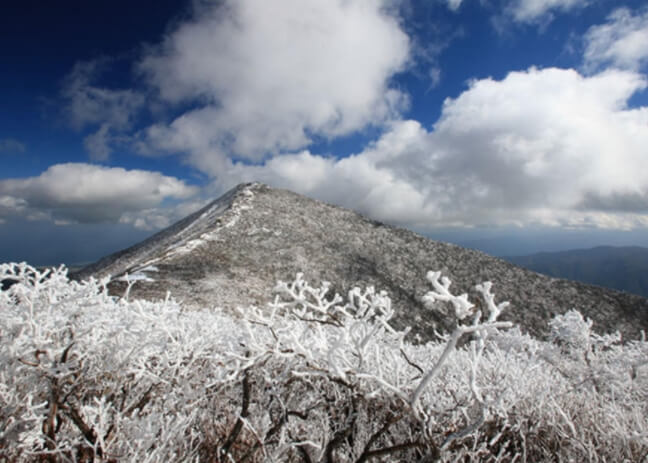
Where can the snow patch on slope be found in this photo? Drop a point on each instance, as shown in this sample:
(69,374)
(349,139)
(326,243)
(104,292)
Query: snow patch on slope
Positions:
(210,216)
(139,274)
(179,239)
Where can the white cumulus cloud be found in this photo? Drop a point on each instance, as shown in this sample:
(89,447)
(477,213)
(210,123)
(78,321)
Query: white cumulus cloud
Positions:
(531,11)
(549,147)
(621,42)
(269,76)
(87,193)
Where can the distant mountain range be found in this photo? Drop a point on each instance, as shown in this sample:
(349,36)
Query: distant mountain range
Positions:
(232,252)
(621,268)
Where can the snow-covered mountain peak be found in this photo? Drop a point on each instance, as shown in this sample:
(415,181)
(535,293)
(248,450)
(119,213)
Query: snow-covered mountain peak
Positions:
(232,252)
(179,239)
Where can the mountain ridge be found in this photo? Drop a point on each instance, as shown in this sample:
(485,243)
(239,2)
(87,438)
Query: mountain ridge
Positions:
(169,237)
(232,252)
(624,268)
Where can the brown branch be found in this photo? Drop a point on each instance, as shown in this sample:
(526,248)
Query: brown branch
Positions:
(343,434)
(37,355)
(304,453)
(301,415)
(236,430)
(333,322)
(342,382)
(141,403)
(28,363)
(89,433)
(66,352)
(412,364)
(366,452)
(465,431)
(49,425)
(272,431)
(393,449)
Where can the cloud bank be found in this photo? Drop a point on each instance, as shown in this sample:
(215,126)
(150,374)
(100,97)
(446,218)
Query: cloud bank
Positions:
(271,76)
(539,147)
(85,193)
(544,147)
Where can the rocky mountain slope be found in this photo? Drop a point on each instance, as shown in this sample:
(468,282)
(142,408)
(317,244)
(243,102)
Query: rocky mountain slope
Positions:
(232,252)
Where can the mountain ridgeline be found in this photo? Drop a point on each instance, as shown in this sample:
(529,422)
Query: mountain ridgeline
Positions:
(232,252)
(621,268)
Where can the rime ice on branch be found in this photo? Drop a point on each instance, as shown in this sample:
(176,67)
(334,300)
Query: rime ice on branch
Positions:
(312,377)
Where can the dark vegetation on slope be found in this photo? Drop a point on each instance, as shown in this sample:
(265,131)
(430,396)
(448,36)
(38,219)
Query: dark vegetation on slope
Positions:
(236,248)
(621,268)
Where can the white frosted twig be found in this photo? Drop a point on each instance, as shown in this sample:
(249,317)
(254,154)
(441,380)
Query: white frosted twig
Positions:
(463,308)
(450,346)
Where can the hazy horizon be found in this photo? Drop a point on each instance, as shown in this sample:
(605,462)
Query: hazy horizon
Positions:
(80,245)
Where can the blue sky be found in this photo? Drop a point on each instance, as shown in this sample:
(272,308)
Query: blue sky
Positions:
(512,126)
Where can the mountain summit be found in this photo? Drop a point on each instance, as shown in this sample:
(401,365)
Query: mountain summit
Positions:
(232,252)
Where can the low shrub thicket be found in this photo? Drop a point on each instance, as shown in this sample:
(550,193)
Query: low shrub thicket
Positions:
(312,377)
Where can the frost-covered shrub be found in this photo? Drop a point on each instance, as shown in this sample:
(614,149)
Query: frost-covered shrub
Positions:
(311,377)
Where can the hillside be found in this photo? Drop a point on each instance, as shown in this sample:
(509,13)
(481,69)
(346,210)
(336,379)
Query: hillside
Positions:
(621,268)
(232,252)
